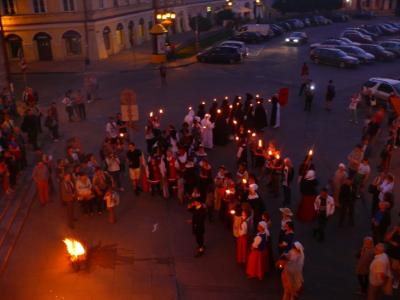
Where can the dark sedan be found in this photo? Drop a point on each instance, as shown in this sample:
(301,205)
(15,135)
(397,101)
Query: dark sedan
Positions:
(332,56)
(296,39)
(249,37)
(360,54)
(220,55)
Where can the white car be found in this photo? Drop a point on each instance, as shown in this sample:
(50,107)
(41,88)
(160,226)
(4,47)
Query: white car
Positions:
(241,46)
(382,88)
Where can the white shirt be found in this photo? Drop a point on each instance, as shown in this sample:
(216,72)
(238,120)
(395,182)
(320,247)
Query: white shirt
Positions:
(385,187)
(243,228)
(112,129)
(379,265)
(363,169)
(330,205)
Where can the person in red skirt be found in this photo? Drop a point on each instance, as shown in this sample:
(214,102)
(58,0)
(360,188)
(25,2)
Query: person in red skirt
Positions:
(241,240)
(257,263)
(154,175)
(308,189)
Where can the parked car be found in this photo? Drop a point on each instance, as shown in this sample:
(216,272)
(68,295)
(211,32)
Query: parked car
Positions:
(333,56)
(263,29)
(285,25)
(241,46)
(365,15)
(392,47)
(295,23)
(220,55)
(338,17)
(307,22)
(387,30)
(382,88)
(357,37)
(395,29)
(249,37)
(296,38)
(374,28)
(277,30)
(363,31)
(379,52)
(328,43)
(321,20)
(348,42)
(363,57)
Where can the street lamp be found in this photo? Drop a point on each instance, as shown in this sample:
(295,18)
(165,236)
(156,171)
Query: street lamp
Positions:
(166,18)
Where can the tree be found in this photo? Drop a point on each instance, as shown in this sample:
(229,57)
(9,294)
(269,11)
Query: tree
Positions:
(203,24)
(225,14)
(285,6)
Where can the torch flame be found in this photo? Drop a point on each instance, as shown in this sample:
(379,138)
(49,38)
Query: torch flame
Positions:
(260,144)
(232,211)
(161,111)
(269,152)
(74,248)
(244,180)
(311,152)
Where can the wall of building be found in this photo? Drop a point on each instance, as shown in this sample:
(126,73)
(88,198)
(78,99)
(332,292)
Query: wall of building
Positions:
(3,75)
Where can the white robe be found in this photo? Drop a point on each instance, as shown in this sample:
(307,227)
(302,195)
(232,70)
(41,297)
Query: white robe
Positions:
(207,133)
(189,118)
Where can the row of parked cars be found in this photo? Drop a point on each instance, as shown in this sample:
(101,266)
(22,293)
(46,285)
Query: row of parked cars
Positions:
(359,45)
(235,50)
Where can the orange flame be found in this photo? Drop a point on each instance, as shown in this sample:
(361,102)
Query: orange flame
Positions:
(75,249)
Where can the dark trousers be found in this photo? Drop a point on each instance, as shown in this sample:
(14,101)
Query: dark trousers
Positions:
(319,232)
(70,213)
(307,104)
(116,178)
(287,193)
(302,87)
(99,203)
(363,281)
(70,112)
(54,132)
(32,138)
(87,206)
(82,111)
(199,239)
(347,209)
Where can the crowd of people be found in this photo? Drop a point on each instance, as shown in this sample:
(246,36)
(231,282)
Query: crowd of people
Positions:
(175,164)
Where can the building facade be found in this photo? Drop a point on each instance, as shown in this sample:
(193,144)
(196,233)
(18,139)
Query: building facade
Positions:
(43,30)
(381,5)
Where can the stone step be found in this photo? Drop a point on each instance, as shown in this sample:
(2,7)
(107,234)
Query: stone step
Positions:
(13,219)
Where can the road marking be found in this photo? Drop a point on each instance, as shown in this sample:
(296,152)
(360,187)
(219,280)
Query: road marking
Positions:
(155,227)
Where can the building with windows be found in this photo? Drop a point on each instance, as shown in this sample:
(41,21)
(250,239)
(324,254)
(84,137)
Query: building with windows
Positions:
(76,29)
(382,5)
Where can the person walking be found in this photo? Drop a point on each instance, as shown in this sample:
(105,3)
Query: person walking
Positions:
(69,105)
(287,178)
(114,169)
(292,272)
(309,95)
(199,214)
(80,105)
(365,257)
(135,160)
(354,101)
(392,240)
(52,124)
(112,201)
(346,199)
(305,73)
(329,95)
(354,160)
(325,207)
(163,74)
(40,176)
(67,192)
(338,179)
(379,273)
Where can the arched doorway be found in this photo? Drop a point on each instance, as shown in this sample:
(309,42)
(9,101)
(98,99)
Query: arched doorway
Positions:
(14,46)
(131,28)
(120,35)
(72,43)
(106,39)
(43,42)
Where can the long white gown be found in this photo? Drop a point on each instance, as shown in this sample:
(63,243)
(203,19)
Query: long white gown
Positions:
(207,132)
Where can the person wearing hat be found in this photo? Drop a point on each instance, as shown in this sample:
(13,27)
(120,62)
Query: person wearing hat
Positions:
(207,132)
(338,179)
(324,207)
(257,263)
(199,214)
(308,189)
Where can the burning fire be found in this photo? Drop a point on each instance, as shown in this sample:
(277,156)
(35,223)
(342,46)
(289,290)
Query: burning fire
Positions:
(75,249)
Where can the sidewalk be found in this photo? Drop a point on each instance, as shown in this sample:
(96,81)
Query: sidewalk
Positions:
(128,60)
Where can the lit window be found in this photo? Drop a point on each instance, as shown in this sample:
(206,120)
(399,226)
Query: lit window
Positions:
(38,6)
(68,5)
(8,7)
(72,42)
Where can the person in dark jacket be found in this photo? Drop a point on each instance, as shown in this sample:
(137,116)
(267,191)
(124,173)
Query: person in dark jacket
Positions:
(199,213)
(29,126)
(380,222)
(260,116)
(346,199)
(330,94)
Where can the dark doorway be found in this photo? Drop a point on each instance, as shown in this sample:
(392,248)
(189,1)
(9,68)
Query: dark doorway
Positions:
(43,41)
